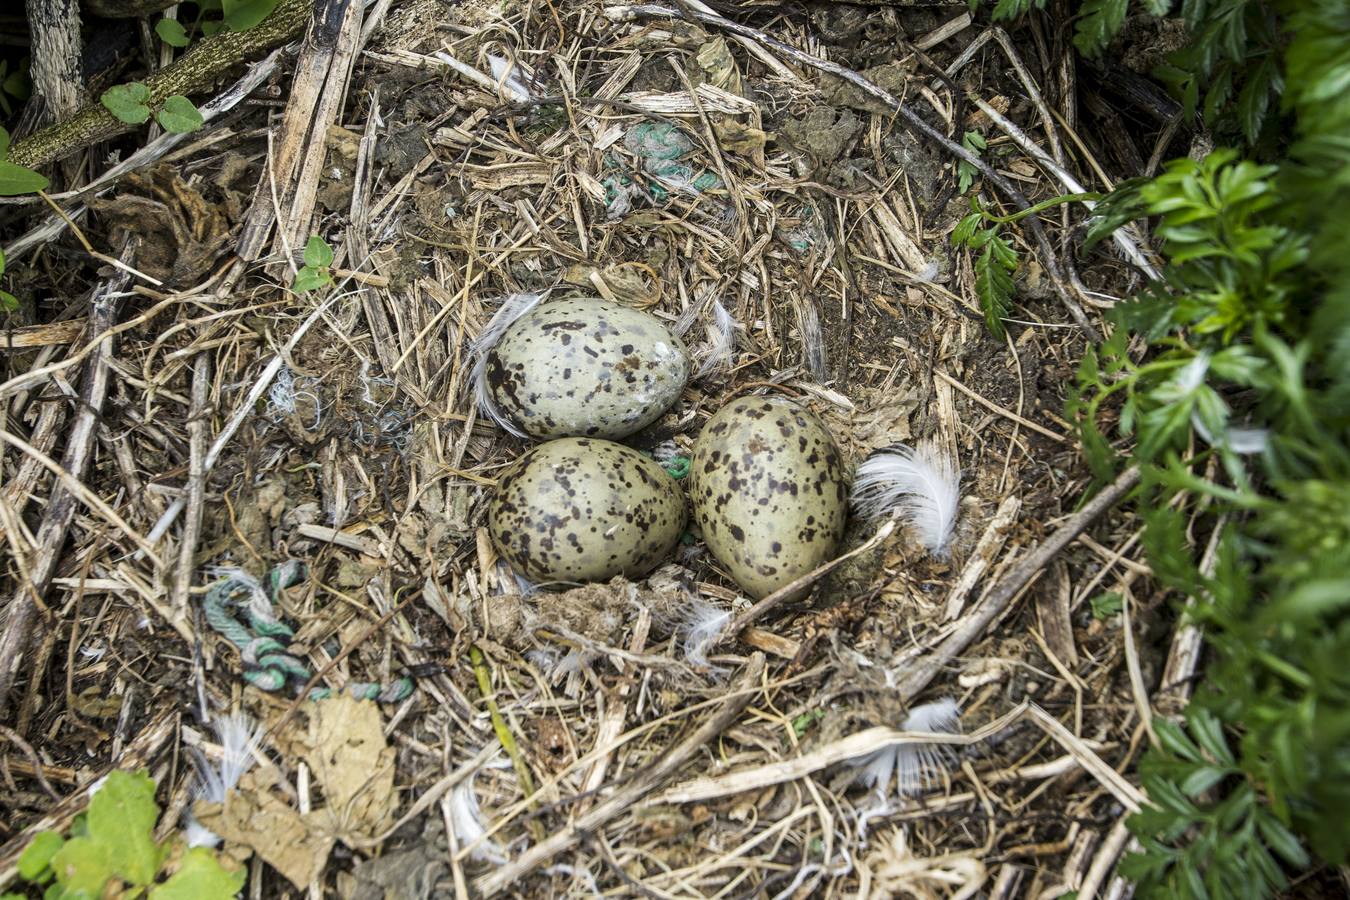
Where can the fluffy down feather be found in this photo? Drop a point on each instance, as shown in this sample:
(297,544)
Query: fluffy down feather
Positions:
(921,486)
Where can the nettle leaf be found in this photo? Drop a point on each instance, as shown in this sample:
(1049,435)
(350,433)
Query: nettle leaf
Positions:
(1101,21)
(172,32)
(317,252)
(122,818)
(37,856)
(200,876)
(241,15)
(179,116)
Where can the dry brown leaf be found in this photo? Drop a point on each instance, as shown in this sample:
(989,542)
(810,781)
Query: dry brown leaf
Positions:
(295,845)
(353,763)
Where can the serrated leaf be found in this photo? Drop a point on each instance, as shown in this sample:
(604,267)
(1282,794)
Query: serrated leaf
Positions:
(965,229)
(128,102)
(122,818)
(172,32)
(317,252)
(37,856)
(241,15)
(179,116)
(993,287)
(1101,20)
(200,876)
(308,279)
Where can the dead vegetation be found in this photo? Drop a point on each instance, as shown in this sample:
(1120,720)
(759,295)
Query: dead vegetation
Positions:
(187,411)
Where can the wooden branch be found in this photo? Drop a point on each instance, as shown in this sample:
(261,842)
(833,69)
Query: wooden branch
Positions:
(57,72)
(195,71)
(51,537)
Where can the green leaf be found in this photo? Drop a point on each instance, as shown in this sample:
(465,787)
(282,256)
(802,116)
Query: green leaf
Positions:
(122,818)
(965,229)
(1104,606)
(993,281)
(317,253)
(1100,21)
(82,867)
(172,32)
(241,15)
(179,116)
(4,143)
(128,102)
(16,180)
(8,302)
(17,84)
(212,26)
(37,856)
(200,876)
(308,279)
(1282,841)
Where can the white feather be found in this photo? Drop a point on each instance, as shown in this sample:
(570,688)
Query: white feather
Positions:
(508,76)
(921,486)
(512,308)
(239,738)
(466,818)
(701,627)
(915,766)
(716,355)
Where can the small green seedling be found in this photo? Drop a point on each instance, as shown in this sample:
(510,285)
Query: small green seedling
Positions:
(966,172)
(130,103)
(317,270)
(997,260)
(1104,606)
(111,851)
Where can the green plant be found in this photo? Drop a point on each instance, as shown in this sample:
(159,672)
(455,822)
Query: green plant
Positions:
(965,172)
(111,850)
(996,260)
(130,103)
(14,85)
(317,271)
(1228,381)
(15,179)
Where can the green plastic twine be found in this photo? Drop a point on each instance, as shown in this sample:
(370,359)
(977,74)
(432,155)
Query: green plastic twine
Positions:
(268,665)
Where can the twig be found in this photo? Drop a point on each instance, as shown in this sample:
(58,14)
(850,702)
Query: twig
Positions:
(196,484)
(643,783)
(996,600)
(1071,184)
(1051,262)
(51,537)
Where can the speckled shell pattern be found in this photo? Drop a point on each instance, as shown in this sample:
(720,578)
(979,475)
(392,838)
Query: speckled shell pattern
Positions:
(575,510)
(769,491)
(583,367)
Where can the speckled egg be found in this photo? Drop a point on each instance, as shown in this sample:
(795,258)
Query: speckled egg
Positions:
(577,510)
(769,491)
(584,367)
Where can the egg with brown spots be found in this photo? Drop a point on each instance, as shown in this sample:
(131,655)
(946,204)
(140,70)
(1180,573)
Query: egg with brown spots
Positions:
(583,367)
(769,491)
(577,509)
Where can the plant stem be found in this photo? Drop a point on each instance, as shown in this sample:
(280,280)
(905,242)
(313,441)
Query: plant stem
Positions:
(195,71)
